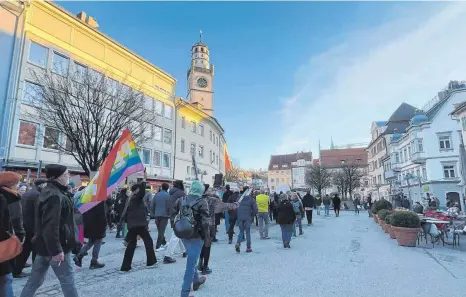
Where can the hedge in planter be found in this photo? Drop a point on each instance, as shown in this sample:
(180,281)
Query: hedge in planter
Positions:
(382,204)
(388,224)
(382,215)
(406,226)
(374,213)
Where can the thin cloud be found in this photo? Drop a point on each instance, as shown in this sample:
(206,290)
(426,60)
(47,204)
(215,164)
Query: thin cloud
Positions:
(341,91)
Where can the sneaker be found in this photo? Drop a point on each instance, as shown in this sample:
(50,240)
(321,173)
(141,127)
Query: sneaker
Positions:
(196,286)
(96,265)
(301,233)
(160,249)
(155,265)
(125,270)
(266,237)
(78,261)
(215,240)
(249,250)
(206,271)
(168,260)
(185,254)
(237,248)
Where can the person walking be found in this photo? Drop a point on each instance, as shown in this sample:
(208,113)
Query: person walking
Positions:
(317,204)
(119,207)
(299,212)
(271,206)
(232,216)
(28,200)
(161,210)
(286,219)
(336,205)
(95,226)
(9,182)
(369,204)
(308,204)
(16,220)
(356,204)
(247,210)
(136,218)
(326,202)
(225,198)
(194,243)
(262,201)
(175,193)
(54,235)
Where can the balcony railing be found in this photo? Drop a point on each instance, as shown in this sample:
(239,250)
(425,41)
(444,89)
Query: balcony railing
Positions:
(396,166)
(452,86)
(389,174)
(418,157)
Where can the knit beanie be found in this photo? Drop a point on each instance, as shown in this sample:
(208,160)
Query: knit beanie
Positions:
(54,171)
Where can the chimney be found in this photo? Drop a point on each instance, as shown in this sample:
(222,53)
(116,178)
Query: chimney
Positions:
(90,21)
(82,16)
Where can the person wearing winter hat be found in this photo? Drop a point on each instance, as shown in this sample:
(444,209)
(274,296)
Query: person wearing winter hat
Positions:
(9,182)
(54,236)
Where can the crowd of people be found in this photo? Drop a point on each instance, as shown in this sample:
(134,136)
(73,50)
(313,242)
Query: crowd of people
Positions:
(43,221)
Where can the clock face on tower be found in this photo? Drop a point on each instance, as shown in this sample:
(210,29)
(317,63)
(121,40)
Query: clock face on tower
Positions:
(202,82)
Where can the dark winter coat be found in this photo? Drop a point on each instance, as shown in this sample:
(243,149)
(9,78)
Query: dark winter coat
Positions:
(336,202)
(120,202)
(136,211)
(308,201)
(29,202)
(227,195)
(16,217)
(286,215)
(175,194)
(55,229)
(233,214)
(200,214)
(6,198)
(95,222)
(326,201)
(247,209)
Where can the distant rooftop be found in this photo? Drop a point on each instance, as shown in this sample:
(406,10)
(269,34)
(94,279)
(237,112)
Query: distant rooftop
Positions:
(436,103)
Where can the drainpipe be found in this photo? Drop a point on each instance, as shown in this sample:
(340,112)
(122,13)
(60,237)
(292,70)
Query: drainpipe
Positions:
(176,130)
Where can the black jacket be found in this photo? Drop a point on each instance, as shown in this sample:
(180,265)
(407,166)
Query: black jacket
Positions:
(286,215)
(120,202)
(308,201)
(200,214)
(233,214)
(95,221)
(336,202)
(136,211)
(227,195)
(29,202)
(55,229)
(16,217)
(6,198)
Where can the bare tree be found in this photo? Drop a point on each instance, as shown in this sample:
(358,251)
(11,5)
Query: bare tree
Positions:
(339,179)
(85,113)
(352,174)
(318,177)
(232,174)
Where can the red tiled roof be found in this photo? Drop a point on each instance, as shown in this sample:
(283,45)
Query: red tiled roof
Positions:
(281,160)
(334,157)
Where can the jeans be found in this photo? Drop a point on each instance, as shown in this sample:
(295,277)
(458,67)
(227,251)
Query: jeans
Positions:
(6,285)
(193,247)
(64,272)
(263,224)
(245,225)
(161,223)
(309,216)
(287,231)
(174,243)
(132,239)
(369,210)
(298,224)
(356,209)
(96,244)
(227,221)
(318,210)
(327,210)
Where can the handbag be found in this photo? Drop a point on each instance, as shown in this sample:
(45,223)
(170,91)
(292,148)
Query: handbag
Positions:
(10,248)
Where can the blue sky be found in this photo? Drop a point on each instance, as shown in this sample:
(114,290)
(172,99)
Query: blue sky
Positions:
(289,74)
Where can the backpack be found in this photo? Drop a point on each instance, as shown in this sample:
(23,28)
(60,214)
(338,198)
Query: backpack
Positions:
(185,223)
(296,207)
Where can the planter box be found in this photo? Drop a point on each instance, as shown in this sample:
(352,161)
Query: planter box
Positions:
(385,227)
(406,236)
(391,232)
(376,219)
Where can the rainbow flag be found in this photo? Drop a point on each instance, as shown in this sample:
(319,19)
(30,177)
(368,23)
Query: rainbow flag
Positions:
(122,161)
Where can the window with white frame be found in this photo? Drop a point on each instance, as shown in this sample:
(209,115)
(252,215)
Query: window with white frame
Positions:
(182,145)
(444,142)
(201,130)
(51,138)
(80,72)
(60,64)
(32,93)
(145,156)
(166,160)
(158,133)
(210,132)
(192,171)
(183,122)
(157,158)
(397,158)
(147,132)
(167,136)
(405,154)
(201,151)
(188,169)
(210,155)
(38,54)
(193,126)
(217,141)
(158,107)
(217,159)
(192,149)
(449,171)
(168,111)
(420,145)
(424,173)
(27,133)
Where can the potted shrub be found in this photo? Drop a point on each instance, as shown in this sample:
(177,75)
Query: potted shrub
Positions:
(382,214)
(388,224)
(381,204)
(406,226)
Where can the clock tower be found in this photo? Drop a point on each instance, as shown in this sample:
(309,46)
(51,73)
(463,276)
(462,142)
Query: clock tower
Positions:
(200,78)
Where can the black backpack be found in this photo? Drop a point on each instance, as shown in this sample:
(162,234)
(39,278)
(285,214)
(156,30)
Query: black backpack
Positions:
(185,223)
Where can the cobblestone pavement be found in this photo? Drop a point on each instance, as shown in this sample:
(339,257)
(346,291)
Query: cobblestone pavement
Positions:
(345,256)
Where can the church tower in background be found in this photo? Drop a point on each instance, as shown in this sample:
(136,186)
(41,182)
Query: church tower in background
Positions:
(200,78)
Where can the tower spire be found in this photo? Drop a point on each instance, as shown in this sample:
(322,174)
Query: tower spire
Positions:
(200,35)
(331,143)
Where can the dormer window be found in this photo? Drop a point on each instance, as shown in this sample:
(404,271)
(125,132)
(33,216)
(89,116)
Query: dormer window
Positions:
(275,166)
(285,166)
